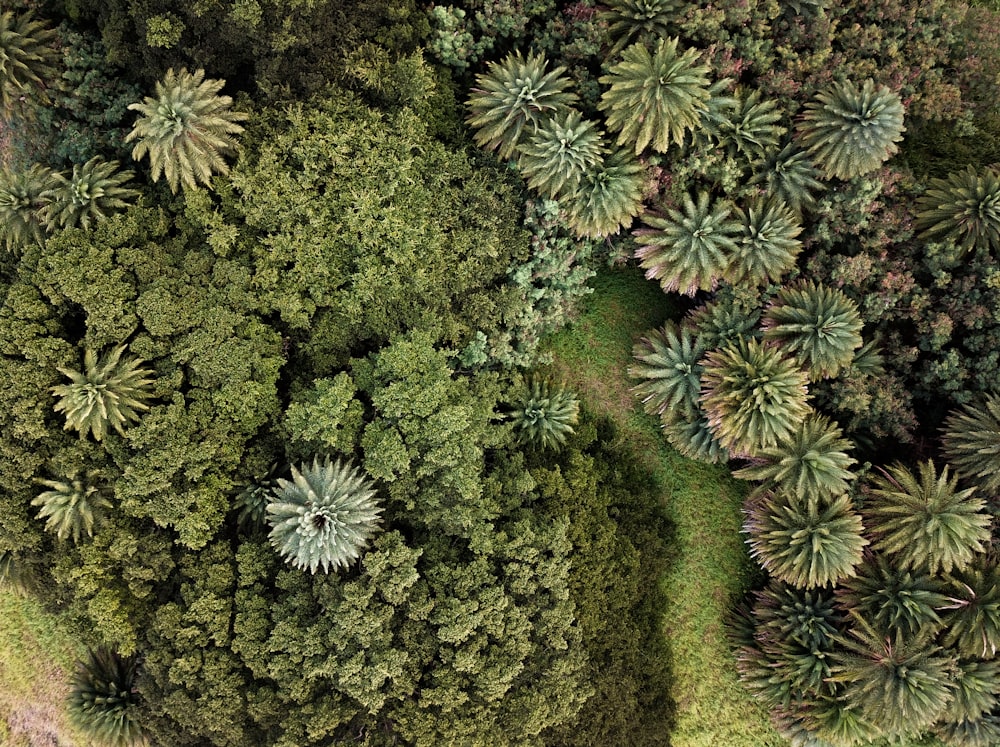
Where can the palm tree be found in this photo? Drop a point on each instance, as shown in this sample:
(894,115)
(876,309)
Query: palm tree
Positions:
(926,523)
(73,507)
(750,126)
(103,701)
(964,206)
(254,496)
(753,396)
(27,60)
(850,131)
(655,97)
(556,157)
(21,203)
(637,20)
(806,542)
(977,685)
(93,192)
(609,196)
(186,129)
(981,732)
(894,602)
(790,177)
(836,722)
(107,392)
(668,360)
(324,516)
(691,249)
(813,463)
(768,246)
(973,613)
(728,317)
(972,443)
(513,98)
(693,438)
(545,414)
(818,325)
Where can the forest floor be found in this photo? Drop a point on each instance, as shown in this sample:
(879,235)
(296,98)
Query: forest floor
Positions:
(710,569)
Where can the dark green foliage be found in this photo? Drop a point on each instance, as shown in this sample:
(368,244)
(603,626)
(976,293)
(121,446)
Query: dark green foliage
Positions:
(964,207)
(74,506)
(27,61)
(973,612)
(977,684)
(972,443)
(103,702)
(21,201)
(694,438)
(545,414)
(644,21)
(894,602)
(789,176)
(556,157)
(252,500)
(669,359)
(91,193)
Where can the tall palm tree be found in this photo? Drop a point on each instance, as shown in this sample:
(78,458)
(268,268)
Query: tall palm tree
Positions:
(559,154)
(768,245)
(972,615)
(545,414)
(836,722)
(186,129)
(818,325)
(511,100)
(92,192)
(690,249)
(728,317)
(972,443)
(609,196)
(21,202)
(694,438)
(924,521)
(27,60)
(324,516)
(850,131)
(103,700)
(655,97)
(669,362)
(977,687)
(73,507)
(789,176)
(637,21)
(964,206)
(750,127)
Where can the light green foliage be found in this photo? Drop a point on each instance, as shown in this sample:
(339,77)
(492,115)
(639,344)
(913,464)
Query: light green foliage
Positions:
(769,244)
(92,192)
(108,392)
(609,196)
(103,702)
(812,464)
(27,60)
(186,129)
(511,101)
(643,21)
(817,325)
(749,127)
(327,416)
(897,603)
(693,437)
(669,361)
(790,176)
(972,615)
(324,516)
(545,414)
(690,249)
(972,442)
(964,206)
(72,507)
(21,201)
(655,97)
(849,131)
(805,541)
(924,521)
(754,397)
(977,684)
(556,157)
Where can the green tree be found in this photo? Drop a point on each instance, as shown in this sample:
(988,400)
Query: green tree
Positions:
(21,203)
(924,521)
(545,414)
(556,157)
(644,21)
(971,442)
(964,206)
(980,732)
(972,616)
(690,249)
(789,176)
(694,438)
(103,701)
(92,192)
(324,516)
(609,196)
(27,60)
(654,97)
(850,131)
(186,129)
(108,392)
(513,99)
(73,507)
(750,126)
(977,684)
(729,317)
(251,502)
(669,362)
(768,245)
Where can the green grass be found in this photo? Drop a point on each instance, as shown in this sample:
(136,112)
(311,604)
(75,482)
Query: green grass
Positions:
(36,659)
(710,568)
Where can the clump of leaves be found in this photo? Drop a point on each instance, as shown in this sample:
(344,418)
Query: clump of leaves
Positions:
(964,206)
(73,507)
(545,414)
(972,442)
(103,701)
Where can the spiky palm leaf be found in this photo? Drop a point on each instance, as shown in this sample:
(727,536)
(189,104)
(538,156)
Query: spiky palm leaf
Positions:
(726,318)
(690,249)
(965,206)
(27,60)
(186,129)
(894,602)
(750,126)
(754,397)
(804,541)
(545,414)
(977,685)
(73,507)
(21,202)
(972,443)
(254,496)
(103,701)
(609,196)
(834,722)
(850,131)
(668,360)
(981,732)
(17,573)
(693,438)
(925,522)
(818,325)
(92,192)
(555,159)
(637,21)
(655,97)
(768,245)
(513,98)
(107,392)
(789,176)
(324,516)
(973,611)
(813,463)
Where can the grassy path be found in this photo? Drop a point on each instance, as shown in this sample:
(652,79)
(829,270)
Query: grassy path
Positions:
(711,565)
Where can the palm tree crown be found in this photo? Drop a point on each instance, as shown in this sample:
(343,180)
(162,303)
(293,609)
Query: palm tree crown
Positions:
(768,245)
(972,616)
(790,176)
(964,206)
(972,443)
(27,59)
(103,700)
(72,507)
(637,20)
(655,97)
(850,131)
(92,192)
(555,159)
(750,126)
(545,414)
(21,202)
(186,129)
(609,196)
(668,360)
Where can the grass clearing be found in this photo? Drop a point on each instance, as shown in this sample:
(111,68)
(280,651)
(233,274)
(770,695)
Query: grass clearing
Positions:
(711,566)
